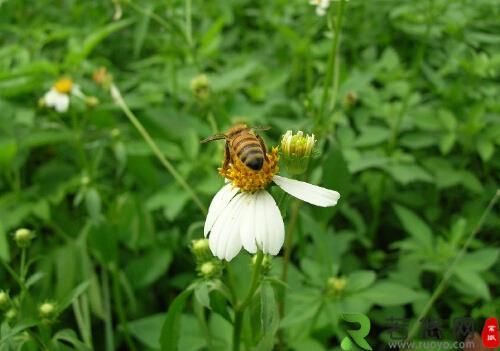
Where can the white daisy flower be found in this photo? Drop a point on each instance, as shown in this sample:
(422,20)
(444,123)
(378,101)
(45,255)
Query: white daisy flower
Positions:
(321,6)
(58,97)
(244,214)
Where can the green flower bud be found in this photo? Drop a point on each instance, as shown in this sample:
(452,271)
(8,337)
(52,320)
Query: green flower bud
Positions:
(201,250)
(200,86)
(91,101)
(297,151)
(336,285)
(11,314)
(47,310)
(210,269)
(23,237)
(4,300)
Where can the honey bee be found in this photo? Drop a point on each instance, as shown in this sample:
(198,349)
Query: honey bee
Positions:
(244,143)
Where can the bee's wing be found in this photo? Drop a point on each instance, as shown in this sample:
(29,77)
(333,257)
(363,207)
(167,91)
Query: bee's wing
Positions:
(213,137)
(263,128)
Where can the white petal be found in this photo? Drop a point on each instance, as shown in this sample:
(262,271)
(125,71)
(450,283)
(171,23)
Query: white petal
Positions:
(51,97)
(218,204)
(62,103)
(270,234)
(248,227)
(313,194)
(224,240)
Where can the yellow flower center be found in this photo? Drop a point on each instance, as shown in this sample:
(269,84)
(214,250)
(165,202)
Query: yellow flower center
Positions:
(63,85)
(247,179)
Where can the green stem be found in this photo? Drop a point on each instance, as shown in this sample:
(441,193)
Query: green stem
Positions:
(240,309)
(332,59)
(117,97)
(449,272)
(108,319)
(22,273)
(119,309)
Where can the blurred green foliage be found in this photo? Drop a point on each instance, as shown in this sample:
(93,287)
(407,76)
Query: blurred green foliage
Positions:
(410,141)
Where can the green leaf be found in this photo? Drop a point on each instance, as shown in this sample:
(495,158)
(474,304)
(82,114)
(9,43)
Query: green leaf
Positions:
(408,173)
(359,280)
(486,149)
(81,50)
(479,260)
(471,283)
(72,296)
(170,330)
(148,330)
(269,317)
(8,149)
(148,268)
(415,226)
(4,245)
(70,337)
(372,135)
(386,293)
(93,204)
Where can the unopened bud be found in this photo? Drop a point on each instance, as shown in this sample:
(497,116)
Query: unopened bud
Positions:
(297,151)
(85,180)
(115,133)
(4,300)
(200,86)
(23,237)
(47,310)
(102,77)
(11,314)
(201,250)
(210,269)
(91,101)
(41,102)
(336,285)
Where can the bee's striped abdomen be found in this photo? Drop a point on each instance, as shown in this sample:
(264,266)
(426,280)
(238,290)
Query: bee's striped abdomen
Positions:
(248,149)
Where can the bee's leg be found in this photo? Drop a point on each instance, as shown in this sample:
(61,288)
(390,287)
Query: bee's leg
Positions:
(227,156)
(263,145)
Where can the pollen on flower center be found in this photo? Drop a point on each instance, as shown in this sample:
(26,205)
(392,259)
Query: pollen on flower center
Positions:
(247,179)
(63,85)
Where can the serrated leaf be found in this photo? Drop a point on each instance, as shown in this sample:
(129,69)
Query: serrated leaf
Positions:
(415,226)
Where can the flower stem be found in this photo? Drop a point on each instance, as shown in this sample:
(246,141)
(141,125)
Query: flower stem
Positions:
(332,62)
(240,309)
(117,97)
(449,272)
(22,273)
